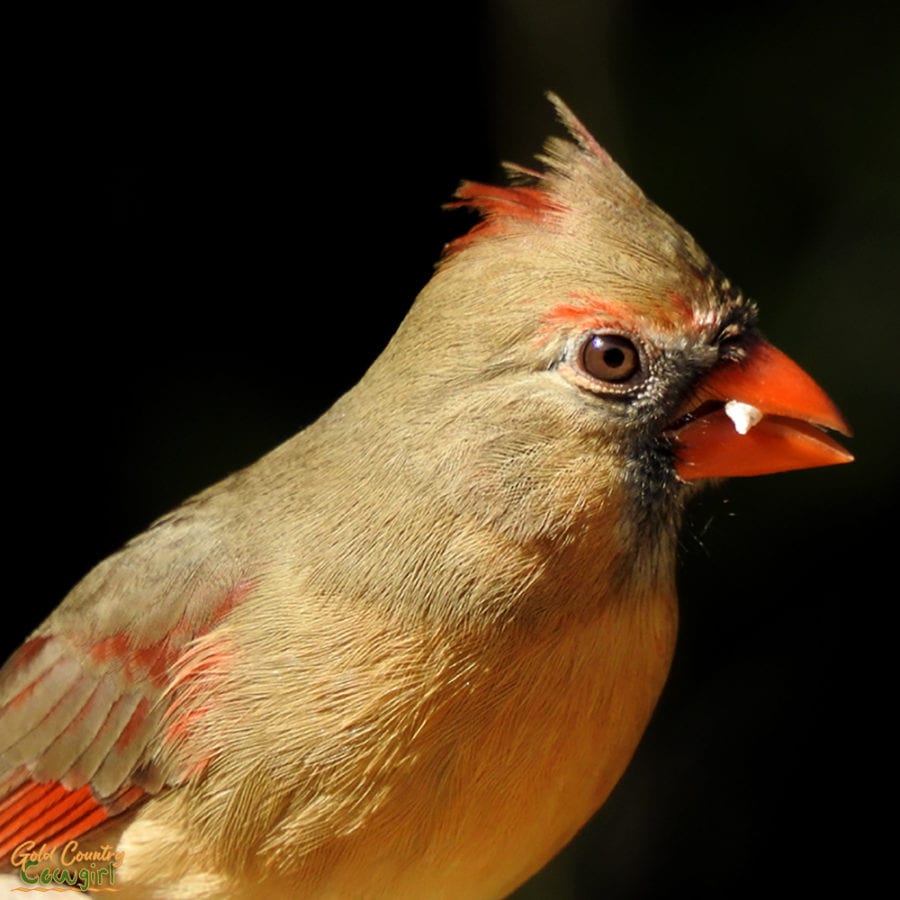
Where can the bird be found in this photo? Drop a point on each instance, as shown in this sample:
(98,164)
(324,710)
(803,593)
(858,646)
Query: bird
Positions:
(410,651)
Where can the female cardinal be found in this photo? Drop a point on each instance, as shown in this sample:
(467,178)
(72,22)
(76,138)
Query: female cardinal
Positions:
(410,651)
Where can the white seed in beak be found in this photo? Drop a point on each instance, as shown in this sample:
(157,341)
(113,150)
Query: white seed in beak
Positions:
(743,415)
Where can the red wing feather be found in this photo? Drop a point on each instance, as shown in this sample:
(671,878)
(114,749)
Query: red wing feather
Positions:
(79,723)
(50,814)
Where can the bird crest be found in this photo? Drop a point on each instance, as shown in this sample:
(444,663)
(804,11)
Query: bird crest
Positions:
(536,197)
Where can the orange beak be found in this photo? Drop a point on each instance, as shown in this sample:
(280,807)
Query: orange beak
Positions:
(760,415)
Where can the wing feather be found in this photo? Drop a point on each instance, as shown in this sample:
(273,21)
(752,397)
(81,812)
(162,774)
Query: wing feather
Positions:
(83,702)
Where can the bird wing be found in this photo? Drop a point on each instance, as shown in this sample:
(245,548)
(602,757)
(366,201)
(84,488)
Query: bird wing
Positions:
(90,701)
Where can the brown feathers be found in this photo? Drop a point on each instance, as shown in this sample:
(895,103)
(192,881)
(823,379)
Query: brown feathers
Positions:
(410,651)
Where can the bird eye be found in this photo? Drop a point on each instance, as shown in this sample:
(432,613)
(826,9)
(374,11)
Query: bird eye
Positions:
(611,358)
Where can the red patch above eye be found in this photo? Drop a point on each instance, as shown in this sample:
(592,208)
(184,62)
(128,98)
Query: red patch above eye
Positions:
(583,312)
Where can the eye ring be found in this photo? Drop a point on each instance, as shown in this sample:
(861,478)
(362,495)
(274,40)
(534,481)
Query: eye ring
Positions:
(611,359)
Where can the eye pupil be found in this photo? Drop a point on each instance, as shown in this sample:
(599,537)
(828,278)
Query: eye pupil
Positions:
(614,358)
(610,357)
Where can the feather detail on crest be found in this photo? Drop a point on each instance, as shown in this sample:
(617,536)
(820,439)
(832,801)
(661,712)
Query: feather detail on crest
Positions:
(498,206)
(539,197)
(579,213)
(576,128)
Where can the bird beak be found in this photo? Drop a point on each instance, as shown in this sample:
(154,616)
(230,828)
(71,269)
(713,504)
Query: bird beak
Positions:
(758,415)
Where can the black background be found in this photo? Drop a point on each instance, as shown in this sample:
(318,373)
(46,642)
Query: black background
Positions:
(219,223)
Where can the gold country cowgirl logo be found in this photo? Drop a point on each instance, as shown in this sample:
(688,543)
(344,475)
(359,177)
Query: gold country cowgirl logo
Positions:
(69,867)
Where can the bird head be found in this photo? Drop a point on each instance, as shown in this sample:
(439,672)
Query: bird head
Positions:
(581,317)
